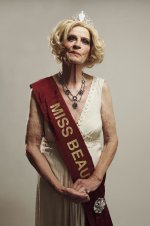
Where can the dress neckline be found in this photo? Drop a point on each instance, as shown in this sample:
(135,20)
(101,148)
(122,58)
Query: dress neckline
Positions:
(86,104)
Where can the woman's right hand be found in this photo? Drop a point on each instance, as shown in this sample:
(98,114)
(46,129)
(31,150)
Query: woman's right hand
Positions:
(75,196)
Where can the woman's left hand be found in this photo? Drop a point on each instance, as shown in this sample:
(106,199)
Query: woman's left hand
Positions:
(87,185)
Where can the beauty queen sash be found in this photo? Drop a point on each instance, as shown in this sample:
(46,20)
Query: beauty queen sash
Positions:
(71,146)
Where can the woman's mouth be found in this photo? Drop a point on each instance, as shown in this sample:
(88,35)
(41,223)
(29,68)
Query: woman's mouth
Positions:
(75,53)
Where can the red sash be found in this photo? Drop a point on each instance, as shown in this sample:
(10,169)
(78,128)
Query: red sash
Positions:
(71,146)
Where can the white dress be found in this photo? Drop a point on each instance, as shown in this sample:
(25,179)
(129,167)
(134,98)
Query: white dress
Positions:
(53,209)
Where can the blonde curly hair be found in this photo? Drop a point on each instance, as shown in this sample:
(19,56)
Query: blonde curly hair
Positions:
(60,33)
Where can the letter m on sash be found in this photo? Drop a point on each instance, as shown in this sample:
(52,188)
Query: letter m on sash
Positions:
(56,109)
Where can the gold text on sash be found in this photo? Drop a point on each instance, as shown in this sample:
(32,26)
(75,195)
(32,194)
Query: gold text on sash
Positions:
(76,153)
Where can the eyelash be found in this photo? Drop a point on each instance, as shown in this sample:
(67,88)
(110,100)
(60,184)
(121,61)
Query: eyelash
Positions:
(72,38)
(86,41)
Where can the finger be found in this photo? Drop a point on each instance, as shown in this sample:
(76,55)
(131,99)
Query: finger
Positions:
(87,190)
(82,189)
(75,193)
(77,188)
(82,185)
(77,183)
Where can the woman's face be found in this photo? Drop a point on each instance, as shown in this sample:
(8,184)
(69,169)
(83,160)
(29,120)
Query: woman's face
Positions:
(78,45)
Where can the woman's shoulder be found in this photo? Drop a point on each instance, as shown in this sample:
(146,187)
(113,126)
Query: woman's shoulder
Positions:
(98,79)
(91,76)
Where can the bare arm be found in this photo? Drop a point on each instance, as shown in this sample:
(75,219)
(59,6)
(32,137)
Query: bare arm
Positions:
(34,134)
(110,144)
(110,134)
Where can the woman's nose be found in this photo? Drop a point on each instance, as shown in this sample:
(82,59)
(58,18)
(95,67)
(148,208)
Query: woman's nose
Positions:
(77,44)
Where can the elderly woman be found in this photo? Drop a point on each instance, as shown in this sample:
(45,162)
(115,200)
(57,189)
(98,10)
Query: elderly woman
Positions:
(69,113)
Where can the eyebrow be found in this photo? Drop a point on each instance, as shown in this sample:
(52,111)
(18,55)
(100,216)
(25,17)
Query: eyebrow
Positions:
(76,36)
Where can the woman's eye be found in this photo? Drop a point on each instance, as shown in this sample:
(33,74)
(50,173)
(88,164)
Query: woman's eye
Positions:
(71,38)
(86,41)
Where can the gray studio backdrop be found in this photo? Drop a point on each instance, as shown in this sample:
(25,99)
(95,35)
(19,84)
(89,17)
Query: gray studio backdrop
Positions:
(24,58)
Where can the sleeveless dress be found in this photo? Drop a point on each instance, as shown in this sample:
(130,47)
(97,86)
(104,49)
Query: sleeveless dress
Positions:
(53,209)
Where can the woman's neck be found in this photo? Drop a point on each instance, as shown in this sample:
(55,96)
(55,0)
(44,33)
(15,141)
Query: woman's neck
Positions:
(72,74)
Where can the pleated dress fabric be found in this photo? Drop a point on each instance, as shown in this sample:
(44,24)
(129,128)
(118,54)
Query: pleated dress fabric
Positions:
(53,209)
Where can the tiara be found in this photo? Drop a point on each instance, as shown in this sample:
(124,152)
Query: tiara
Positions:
(83,18)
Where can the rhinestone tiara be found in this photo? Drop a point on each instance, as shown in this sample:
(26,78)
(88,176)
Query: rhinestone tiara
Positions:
(83,18)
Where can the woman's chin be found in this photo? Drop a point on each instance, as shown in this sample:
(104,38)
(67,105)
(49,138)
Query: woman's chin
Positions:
(74,61)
